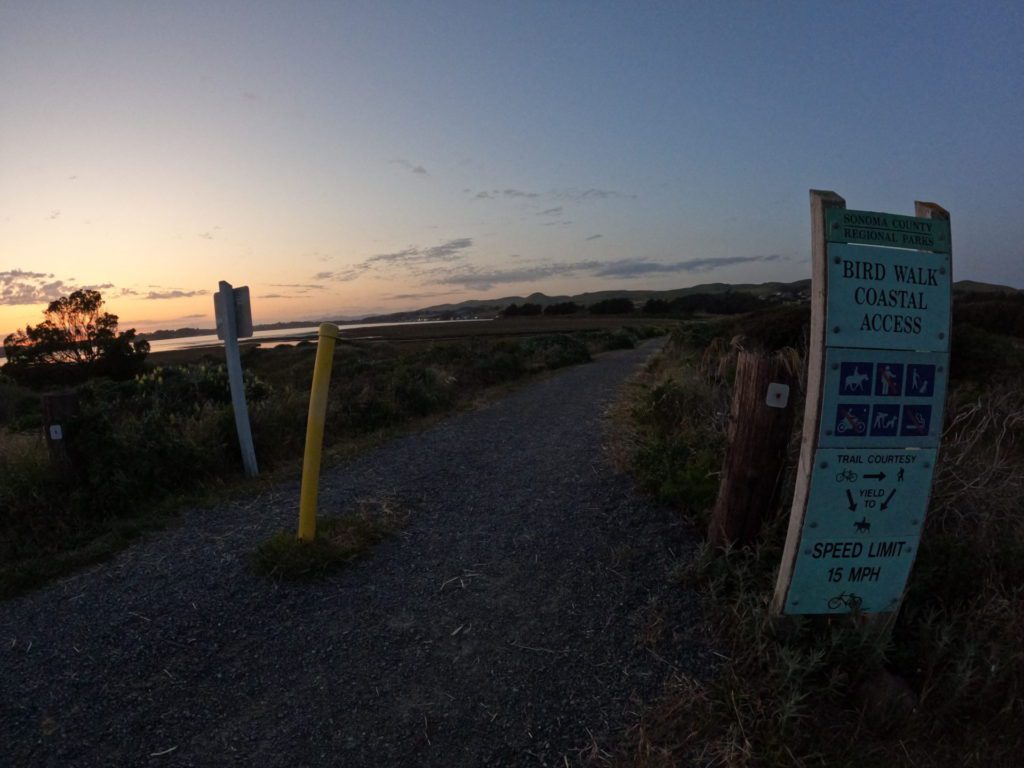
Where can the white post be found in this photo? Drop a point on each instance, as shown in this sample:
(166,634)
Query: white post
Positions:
(234,362)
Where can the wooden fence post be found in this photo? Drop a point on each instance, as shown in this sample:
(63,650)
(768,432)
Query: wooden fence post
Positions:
(58,409)
(760,423)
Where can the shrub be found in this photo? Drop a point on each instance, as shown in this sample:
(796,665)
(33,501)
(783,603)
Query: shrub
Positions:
(980,355)
(728,303)
(996,313)
(19,406)
(556,351)
(421,391)
(777,327)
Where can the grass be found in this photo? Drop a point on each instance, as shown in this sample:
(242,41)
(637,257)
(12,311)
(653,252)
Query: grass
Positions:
(143,448)
(945,688)
(338,542)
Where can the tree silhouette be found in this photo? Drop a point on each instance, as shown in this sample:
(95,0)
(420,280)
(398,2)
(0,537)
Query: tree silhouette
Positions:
(77,339)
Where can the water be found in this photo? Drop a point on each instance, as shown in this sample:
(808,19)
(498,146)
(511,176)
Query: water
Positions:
(275,337)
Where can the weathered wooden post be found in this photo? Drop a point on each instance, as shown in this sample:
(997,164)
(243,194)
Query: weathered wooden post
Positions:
(59,408)
(760,423)
(876,384)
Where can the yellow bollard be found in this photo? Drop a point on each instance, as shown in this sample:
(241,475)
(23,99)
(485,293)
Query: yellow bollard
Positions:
(315,430)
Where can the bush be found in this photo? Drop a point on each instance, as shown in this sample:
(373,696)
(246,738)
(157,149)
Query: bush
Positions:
(979,355)
(680,458)
(728,303)
(421,391)
(557,351)
(777,327)
(996,313)
(20,407)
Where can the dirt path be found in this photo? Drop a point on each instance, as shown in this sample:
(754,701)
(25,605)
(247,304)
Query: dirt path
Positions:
(523,613)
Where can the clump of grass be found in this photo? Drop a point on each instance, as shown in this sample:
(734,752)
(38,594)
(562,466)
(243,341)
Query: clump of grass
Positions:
(681,417)
(338,542)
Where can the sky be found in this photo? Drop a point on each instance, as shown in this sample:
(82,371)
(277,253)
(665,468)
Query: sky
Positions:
(344,158)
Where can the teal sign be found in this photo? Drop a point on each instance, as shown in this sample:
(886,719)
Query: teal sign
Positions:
(886,367)
(887,298)
(861,531)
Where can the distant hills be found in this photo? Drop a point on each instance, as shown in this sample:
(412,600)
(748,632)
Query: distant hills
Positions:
(795,291)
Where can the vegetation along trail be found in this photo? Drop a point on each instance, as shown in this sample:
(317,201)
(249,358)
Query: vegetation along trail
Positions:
(520,618)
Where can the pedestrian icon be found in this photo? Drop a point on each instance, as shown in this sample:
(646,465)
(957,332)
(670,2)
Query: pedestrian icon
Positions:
(851,420)
(920,380)
(885,420)
(899,475)
(915,420)
(889,380)
(855,379)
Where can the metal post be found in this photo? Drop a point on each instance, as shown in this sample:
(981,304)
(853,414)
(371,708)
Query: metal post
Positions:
(328,335)
(234,362)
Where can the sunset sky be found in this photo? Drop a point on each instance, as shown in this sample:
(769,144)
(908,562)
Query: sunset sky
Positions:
(350,158)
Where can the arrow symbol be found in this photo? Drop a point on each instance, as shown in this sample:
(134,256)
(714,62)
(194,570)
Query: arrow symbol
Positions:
(880,476)
(853,506)
(885,504)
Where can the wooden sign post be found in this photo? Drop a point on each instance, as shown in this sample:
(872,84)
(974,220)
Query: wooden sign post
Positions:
(876,384)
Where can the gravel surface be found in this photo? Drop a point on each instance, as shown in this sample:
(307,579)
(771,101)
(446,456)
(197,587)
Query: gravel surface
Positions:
(523,616)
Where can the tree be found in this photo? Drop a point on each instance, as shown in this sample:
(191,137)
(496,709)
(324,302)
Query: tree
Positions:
(620,306)
(562,308)
(656,307)
(75,340)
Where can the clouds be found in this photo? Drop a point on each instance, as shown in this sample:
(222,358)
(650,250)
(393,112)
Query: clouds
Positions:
(174,294)
(568,194)
(419,170)
(483,279)
(18,287)
(301,287)
(450,251)
(593,193)
(476,278)
(416,260)
(509,194)
(419,296)
(628,268)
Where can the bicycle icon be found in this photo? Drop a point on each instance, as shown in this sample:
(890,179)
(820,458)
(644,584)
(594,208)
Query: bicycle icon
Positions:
(850,600)
(847,476)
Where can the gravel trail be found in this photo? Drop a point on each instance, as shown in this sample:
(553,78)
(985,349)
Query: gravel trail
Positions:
(521,617)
